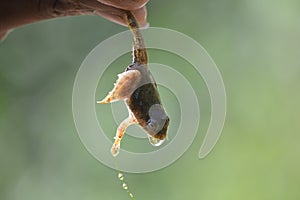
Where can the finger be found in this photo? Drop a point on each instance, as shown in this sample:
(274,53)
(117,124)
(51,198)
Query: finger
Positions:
(125,4)
(79,7)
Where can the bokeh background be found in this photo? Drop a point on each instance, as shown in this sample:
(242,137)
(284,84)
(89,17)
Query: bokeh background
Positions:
(256,45)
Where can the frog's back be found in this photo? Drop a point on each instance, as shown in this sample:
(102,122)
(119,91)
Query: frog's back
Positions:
(141,100)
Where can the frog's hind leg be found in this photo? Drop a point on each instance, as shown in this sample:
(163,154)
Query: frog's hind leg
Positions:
(120,133)
(124,87)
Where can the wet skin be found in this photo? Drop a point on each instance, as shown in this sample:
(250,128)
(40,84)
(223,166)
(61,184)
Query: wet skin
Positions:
(137,87)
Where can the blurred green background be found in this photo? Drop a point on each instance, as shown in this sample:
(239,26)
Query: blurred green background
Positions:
(256,46)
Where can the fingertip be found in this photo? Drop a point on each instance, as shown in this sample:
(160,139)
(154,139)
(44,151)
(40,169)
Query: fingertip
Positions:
(145,26)
(125,4)
(119,16)
(141,17)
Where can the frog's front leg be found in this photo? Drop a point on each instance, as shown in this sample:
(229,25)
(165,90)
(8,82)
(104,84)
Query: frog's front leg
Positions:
(124,87)
(120,133)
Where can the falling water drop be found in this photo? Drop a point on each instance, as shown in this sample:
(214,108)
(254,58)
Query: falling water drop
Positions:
(120,176)
(125,187)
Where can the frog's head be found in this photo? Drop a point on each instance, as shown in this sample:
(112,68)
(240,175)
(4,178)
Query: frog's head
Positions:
(157,125)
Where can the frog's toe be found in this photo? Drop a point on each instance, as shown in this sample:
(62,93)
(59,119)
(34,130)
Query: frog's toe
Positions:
(115,150)
(155,141)
(107,99)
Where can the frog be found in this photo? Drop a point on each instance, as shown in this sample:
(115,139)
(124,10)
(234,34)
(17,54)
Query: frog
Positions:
(137,87)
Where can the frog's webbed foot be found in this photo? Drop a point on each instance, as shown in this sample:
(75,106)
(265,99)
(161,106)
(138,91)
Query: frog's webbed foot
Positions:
(120,133)
(155,141)
(124,87)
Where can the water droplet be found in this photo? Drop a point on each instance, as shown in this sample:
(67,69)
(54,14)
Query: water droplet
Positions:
(120,176)
(131,195)
(125,187)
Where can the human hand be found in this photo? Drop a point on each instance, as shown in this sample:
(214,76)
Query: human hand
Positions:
(15,13)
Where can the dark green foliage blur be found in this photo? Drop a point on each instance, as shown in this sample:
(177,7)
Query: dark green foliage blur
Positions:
(256,47)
